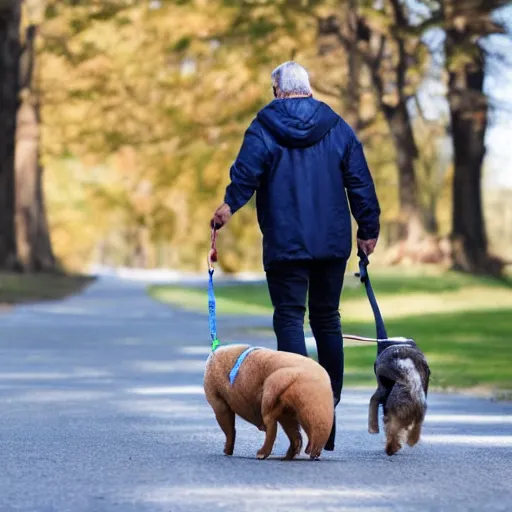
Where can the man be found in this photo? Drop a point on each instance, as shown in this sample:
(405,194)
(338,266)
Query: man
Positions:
(300,157)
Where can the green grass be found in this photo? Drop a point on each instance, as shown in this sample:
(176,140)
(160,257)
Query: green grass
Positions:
(254,298)
(462,323)
(22,288)
(464,350)
(241,299)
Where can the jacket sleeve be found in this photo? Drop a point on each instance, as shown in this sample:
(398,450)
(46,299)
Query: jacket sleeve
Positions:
(246,171)
(361,191)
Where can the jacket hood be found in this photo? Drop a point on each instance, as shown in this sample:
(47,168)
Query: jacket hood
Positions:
(298,122)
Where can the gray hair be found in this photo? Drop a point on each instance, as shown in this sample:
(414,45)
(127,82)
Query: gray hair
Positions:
(291,78)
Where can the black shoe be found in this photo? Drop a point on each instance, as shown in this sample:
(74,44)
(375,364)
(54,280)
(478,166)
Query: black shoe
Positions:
(329,446)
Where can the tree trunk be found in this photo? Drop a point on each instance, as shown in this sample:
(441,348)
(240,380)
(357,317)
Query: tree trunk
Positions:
(399,124)
(352,94)
(9,65)
(468,114)
(33,239)
(414,243)
(366,47)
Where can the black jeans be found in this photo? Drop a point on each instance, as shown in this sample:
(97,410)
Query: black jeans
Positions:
(288,284)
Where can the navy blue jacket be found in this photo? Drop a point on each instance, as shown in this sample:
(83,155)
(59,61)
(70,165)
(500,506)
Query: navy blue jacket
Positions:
(299,156)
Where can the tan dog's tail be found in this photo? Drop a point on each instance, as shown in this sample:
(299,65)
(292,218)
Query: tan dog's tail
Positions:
(275,386)
(318,416)
(284,388)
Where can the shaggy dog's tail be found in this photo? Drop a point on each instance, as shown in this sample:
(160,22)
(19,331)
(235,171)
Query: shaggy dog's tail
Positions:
(406,405)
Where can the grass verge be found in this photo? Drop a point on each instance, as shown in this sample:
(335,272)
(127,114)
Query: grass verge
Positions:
(465,350)
(23,288)
(398,294)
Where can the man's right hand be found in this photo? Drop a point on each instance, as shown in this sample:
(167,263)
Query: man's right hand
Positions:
(221,216)
(367,246)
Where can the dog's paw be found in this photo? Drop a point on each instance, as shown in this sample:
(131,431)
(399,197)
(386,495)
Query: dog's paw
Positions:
(229,445)
(392,448)
(414,435)
(294,449)
(372,429)
(262,454)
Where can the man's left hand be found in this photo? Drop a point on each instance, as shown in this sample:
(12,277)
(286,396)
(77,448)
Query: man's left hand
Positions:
(221,216)
(367,246)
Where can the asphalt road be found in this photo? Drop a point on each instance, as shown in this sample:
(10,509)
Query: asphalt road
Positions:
(102,409)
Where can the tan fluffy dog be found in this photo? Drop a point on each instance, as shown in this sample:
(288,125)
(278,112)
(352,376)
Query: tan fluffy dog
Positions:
(271,387)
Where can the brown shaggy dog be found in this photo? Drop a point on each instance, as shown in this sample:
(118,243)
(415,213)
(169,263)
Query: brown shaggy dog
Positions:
(271,387)
(402,376)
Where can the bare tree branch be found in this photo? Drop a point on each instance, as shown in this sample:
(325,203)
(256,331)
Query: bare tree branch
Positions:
(382,46)
(398,13)
(334,92)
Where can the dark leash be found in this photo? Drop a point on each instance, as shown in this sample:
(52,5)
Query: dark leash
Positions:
(382,334)
(382,339)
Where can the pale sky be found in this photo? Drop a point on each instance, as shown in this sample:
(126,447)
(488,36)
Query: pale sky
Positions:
(498,87)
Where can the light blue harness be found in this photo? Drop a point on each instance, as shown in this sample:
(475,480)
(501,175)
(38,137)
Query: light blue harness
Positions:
(234,372)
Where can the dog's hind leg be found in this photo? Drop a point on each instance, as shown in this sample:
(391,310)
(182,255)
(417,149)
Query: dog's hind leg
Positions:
(226,420)
(373,412)
(272,408)
(314,448)
(318,434)
(291,428)
(414,434)
(415,431)
(270,421)
(393,428)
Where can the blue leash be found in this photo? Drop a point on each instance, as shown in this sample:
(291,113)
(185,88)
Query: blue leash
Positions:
(213,329)
(212,316)
(365,279)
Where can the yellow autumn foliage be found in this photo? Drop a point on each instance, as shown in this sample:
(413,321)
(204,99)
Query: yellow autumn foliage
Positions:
(144,111)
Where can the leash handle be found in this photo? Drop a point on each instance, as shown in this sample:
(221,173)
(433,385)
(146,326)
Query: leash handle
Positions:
(365,279)
(363,264)
(212,253)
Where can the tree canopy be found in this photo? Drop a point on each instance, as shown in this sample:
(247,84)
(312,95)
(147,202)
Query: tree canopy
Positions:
(143,106)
